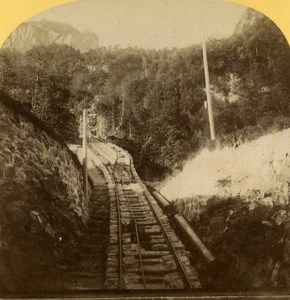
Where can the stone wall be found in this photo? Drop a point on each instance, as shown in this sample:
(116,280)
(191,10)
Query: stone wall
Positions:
(42,206)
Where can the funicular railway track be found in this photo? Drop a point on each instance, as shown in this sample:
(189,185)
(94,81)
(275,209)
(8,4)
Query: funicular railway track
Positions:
(144,252)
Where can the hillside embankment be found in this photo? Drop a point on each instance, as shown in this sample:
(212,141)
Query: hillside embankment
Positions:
(43,211)
(237,200)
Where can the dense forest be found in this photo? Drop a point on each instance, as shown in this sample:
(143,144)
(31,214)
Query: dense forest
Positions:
(154,99)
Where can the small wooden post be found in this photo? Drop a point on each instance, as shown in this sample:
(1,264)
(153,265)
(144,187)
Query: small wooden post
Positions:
(85,154)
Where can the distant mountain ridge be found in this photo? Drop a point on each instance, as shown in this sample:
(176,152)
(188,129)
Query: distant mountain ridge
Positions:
(44,33)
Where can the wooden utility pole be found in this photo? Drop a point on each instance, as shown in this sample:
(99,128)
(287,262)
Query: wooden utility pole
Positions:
(206,75)
(85,154)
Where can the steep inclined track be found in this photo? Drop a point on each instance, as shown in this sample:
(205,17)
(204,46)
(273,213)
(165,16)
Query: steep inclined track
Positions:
(143,252)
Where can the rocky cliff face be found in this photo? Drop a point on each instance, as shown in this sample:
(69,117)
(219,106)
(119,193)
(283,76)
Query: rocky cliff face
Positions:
(254,23)
(42,206)
(249,19)
(44,33)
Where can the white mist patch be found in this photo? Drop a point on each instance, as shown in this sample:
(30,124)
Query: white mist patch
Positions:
(263,164)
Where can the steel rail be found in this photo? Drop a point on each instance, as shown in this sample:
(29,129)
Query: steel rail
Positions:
(135,225)
(178,261)
(120,245)
(185,276)
(120,230)
(176,256)
(120,248)
(137,236)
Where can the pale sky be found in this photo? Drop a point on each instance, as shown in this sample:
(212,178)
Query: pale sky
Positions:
(149,23)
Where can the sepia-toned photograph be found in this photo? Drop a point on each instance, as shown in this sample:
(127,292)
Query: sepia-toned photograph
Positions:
(145,152)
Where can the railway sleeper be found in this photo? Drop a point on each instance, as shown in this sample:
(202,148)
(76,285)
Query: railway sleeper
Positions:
(114,241)
(132,192)
(140,207)
(112,265)
(135,208)
(157,240)
(113,249)
(138,210)
(126,239)
(133,199)
(126,215)
(143,213)
(127,224)
(146,253)
(113,214)
(114,228)
(154,279)
(134,196)
(159,246)
(174,280)
(151,269)
(145,217)
(142,222)
(112,283)
(113,205)
(123,181)
(150,222)
(155,229)
(130,278)
(137,202)
(114,219)
(132,260)
(127,209)
(113,258)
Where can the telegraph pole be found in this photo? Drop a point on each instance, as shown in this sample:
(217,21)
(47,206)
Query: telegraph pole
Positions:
(206,75)
(85,154)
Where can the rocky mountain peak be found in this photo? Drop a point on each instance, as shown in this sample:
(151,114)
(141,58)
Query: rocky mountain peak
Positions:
(248,20)
(45,32)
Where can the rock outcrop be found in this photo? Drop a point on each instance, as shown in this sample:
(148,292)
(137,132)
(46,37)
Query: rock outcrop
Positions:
(42,206)
(250,240)
(241,210)
(248,21)
(44,33)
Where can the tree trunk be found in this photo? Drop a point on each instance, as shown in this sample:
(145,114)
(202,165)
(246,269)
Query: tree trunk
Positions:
(113,118)
(122,116)
(141,155)
(130,131)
